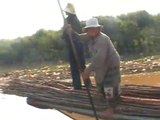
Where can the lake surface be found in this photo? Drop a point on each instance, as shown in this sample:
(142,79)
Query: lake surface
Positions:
(15,108)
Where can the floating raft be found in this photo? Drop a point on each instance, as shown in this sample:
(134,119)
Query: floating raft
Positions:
(137,102)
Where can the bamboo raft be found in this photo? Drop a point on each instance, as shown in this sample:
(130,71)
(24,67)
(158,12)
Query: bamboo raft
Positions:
(137,102)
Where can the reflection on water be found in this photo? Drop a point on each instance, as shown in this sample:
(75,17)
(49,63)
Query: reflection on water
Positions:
(15,108)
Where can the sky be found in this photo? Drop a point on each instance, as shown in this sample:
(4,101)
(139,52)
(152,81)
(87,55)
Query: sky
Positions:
(19,18)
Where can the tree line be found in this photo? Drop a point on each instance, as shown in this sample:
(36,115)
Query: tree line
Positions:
(132,34)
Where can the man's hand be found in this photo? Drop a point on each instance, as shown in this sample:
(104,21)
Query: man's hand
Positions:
(67,28)
(85,75)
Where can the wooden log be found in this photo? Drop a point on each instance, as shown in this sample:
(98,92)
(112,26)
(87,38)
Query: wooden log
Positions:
(54,101)
(123,109)
(139,105)
(139,111)
(139,100)
(115,116)
(134,101)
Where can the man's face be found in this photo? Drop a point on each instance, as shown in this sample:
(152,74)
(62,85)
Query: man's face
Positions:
(92,32)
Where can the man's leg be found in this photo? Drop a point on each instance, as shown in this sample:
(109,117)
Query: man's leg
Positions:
(100,92)
(109,97)
(112,88)
(81,61)
(76,81)
(108,112)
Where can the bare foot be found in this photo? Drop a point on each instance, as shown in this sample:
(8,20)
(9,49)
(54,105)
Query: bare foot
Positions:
(108,113)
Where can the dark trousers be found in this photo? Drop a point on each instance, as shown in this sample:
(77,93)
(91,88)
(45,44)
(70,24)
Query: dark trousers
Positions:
(76,81)
(77,66)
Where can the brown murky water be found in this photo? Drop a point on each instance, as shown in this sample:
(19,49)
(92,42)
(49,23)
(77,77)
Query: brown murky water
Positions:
(152,79)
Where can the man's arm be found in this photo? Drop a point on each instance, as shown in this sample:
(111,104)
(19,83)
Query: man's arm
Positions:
(98,60)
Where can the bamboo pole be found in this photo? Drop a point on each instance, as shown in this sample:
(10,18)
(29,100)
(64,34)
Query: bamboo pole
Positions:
(77,61)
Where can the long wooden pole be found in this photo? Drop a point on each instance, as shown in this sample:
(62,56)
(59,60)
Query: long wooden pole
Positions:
(77,61)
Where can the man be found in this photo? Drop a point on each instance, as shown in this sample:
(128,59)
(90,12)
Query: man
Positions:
(105,62)
(76,66)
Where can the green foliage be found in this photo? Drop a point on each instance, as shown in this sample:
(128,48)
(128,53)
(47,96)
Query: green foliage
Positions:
(134,33)
(40,47)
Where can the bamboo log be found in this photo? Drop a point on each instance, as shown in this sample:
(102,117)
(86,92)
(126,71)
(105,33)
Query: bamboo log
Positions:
(56,101)
(135,100)
(115,116)
(143,101)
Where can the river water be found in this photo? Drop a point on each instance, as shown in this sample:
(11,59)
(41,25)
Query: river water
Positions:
(15,108)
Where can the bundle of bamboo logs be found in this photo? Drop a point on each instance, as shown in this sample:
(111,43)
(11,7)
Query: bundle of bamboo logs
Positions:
(137,101)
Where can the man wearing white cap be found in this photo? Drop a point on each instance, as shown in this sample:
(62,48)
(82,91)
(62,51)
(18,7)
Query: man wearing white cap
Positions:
(75,24)
(105,61)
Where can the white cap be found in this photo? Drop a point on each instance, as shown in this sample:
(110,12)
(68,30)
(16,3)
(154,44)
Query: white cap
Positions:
(70,9)
(93,22)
